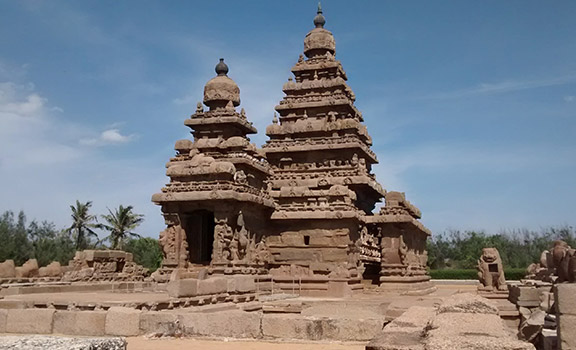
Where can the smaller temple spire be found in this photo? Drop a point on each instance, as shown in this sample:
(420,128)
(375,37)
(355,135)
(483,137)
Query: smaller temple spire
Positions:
(221,68)
(319,20)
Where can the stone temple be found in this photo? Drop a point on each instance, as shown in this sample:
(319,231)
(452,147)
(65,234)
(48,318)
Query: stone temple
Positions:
(300,209)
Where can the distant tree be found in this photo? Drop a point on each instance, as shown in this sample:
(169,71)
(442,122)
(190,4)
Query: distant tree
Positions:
(21,247)
(146,252)
(120,224)
(50,244)
(15,244)
(82,224)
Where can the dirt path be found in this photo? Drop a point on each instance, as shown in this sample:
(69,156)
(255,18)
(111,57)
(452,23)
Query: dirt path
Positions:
(141,343)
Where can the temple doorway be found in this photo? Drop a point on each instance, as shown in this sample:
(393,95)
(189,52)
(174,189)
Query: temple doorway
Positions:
(199,226)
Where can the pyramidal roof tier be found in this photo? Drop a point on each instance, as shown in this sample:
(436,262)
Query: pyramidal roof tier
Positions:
(319,147)
(220,162)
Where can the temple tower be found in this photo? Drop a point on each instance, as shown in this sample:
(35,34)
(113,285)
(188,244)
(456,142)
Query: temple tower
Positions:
(320,154)
(216,204)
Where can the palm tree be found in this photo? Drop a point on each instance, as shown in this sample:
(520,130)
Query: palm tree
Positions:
(120,223)
(82,224)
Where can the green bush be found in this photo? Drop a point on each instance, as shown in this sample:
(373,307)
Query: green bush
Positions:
(472,274)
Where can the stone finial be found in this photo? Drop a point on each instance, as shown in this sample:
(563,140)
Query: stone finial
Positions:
(319,20)
(221,68)
(275,118)
(319,40)
(199,108)
(221,89)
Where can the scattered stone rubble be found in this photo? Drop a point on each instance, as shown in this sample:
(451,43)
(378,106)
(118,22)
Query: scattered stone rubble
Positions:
(545,297)
(463,321)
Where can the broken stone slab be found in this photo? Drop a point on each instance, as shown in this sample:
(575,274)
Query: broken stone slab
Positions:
(468,303)
(532,327)
(33,342)
(447,325)
(414,317)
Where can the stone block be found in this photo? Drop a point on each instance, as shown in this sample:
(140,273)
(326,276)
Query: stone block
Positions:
(242,284)
(80,323)
(211,286)
(407,339)
(290,326)
(183,288)
(336,255)
(28,269)
(454,324)
(531,328)
(468,303)
(7,269)
(521,292)
(31,321)
(566,332)
(549,339)
(414,317)
(3,315)
(123,321)
(565,296)
(232,323)
(159,323)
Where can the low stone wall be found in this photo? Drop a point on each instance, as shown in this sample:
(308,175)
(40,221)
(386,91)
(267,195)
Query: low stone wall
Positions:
(219,320)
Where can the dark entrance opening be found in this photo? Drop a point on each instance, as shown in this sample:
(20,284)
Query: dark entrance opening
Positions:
(199,226)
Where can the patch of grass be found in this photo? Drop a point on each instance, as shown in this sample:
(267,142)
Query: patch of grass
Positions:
(472,274)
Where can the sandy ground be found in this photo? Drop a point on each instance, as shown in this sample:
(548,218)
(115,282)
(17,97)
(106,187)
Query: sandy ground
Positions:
(141,343)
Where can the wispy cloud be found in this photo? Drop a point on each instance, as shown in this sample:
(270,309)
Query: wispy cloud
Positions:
(28,135)
(504,87)
(108,137)
(569,98)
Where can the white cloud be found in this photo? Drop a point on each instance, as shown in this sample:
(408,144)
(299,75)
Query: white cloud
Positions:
(108,137)
(569,98)
(20,101)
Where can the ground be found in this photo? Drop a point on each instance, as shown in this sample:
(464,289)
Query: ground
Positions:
(142,343)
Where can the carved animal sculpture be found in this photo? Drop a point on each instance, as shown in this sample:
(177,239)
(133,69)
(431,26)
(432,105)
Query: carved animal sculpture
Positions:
(490,269)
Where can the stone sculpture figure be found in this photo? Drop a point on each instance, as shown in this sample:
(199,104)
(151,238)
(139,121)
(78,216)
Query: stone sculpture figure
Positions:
(491,271)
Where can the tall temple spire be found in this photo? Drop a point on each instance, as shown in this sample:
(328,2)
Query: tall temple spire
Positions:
(319,20)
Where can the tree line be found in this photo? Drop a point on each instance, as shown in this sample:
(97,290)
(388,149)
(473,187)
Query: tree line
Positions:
(46,243)
(518,248)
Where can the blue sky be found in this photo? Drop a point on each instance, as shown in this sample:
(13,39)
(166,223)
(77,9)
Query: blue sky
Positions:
(471,104)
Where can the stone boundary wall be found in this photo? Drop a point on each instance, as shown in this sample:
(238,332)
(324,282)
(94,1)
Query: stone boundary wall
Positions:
(227,321)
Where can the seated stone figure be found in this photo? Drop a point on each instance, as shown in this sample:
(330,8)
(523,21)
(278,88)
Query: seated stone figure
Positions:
(490,270)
